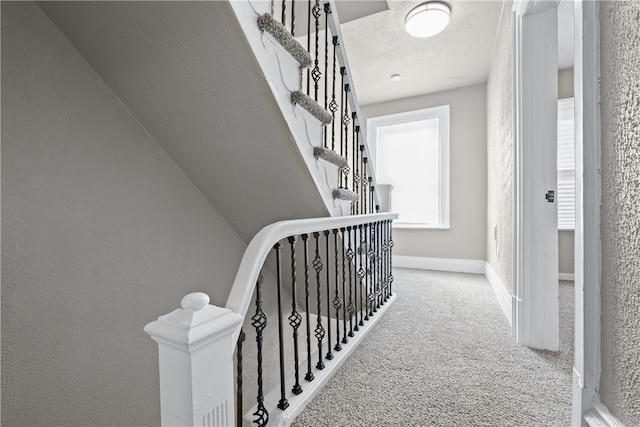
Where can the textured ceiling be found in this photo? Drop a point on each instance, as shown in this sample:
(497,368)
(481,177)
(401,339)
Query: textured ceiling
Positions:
(378,46)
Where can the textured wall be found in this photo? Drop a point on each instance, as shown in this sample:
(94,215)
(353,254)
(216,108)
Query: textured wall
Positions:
(465,239)
(500,153)
(620,110)
(101,233)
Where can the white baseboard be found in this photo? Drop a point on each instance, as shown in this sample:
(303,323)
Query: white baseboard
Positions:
(566,276)
(439,264)
(599,416)
(502,294)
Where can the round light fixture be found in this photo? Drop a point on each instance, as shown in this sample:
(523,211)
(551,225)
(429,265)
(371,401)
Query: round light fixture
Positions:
(396,77)
(428,19)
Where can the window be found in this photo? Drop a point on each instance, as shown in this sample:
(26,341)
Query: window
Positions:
(411,152)
(566,166)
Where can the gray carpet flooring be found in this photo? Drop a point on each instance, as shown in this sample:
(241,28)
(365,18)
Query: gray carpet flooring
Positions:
(444,356)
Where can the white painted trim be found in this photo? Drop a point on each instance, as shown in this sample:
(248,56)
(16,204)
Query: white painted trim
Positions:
(587,234)
(599,416)
(502,294)
(536,319)
(440,264)
(566,276)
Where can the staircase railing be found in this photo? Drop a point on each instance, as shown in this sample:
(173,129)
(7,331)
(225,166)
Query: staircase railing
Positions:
(310,31)
(329,278)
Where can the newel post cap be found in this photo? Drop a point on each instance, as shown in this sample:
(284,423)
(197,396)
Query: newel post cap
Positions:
(195,323)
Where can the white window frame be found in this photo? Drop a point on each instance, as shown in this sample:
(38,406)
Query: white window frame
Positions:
(443,114)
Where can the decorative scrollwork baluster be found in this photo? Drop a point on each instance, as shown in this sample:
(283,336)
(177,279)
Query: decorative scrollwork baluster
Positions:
(390,257)
(344,285)
(259,322)
(327,11)
(316,73)
(319,331)
(372,271)
(333,105)
(361,273)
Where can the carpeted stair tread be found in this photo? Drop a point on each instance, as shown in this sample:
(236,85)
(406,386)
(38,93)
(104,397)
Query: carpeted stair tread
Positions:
(330,156)
(284,37)
(305,101)
(344,194)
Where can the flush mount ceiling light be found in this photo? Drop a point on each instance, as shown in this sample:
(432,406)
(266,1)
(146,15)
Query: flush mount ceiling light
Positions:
(428,19)
(396,77)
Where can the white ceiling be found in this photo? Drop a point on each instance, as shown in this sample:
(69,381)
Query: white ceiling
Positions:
(378,46)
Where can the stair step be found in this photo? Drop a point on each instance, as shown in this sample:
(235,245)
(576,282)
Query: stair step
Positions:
(330,156)
(284,37)
(308,103)
(344,194)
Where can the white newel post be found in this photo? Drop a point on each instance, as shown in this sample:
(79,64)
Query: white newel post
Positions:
(196,363)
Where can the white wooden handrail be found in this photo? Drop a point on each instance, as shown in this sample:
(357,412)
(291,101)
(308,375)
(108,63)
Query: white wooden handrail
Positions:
(254,256)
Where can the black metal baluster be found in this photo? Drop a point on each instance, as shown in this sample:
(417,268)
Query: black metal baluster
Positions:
(259,322)
(294,318)
(329,355)
(309,45)
(293,18)
(365,185)
(337,302)
(367,272)
(319,331)
(372,269)
(239,384)
(350,306)
(327,11)
(344,284)
(305,237)
(379,264)
(346,121)
(385,254)
(284,13)
(283,403)
(390,257)
(316,74)
(371,190)
(361,274)
(356,176)
(333,105)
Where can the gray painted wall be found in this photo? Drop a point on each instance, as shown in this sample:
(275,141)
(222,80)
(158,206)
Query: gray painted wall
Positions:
(500,154)
(101,233)
(465,239)
(566,239)
(620,112)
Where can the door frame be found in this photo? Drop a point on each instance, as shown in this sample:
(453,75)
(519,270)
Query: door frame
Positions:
(535,274)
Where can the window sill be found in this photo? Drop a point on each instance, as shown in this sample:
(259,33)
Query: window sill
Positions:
(419,226)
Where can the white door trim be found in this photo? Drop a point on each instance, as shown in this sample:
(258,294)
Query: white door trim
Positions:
(535,308)
(586,371)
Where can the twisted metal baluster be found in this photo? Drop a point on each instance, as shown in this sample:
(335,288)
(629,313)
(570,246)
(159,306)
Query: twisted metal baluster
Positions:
(239,384)
(293,18)
(344,293)
(329,355)
(361,274)
(346,121)
(327,11)
(294,318)
(319,331)
(337,302)
(305,238)
(350,307)
(283,403)
(259,322)
(365,184)
(371,274)
(333,105)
